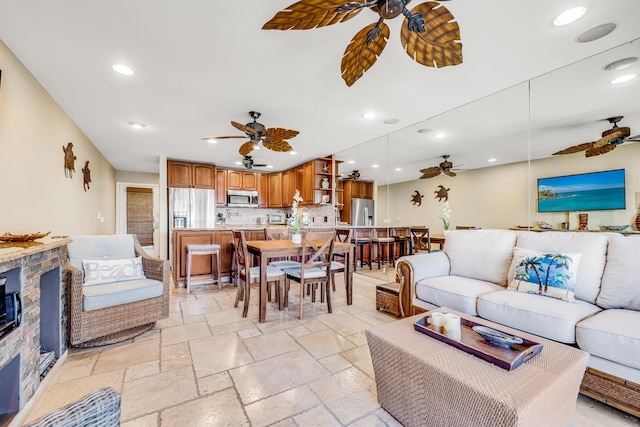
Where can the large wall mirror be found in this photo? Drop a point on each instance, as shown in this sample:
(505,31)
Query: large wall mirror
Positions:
(502,144)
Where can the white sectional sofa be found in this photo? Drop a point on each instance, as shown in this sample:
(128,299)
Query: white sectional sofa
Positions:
(478,273)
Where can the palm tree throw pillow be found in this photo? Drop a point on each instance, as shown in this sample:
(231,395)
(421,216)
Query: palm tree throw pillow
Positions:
(548,274)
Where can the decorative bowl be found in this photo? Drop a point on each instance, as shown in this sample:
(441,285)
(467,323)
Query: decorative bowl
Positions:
(613,227)
(8,237)
(496,337)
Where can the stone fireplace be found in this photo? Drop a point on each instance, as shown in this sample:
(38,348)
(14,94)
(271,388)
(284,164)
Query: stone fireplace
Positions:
(35,270)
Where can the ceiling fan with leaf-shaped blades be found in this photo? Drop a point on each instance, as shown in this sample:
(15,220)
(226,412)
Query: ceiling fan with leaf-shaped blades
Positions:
(272,138)
(611,138)
(429,33)
(445,167)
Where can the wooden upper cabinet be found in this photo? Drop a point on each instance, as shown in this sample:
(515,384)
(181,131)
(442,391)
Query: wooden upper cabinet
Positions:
(240,180)
(288,187)
(190,175)
(263,190)
(221,187)
(234,180)
(305,183)
(275,190)
(366,190)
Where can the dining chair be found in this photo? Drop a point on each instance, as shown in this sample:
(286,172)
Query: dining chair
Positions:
(249,275)
(315,269)
(420,239)
(338,261)
(280,233)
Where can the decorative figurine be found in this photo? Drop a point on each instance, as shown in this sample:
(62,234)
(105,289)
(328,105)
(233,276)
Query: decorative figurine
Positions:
(442,193)
(417,198)
(86,173)
(325,168)
(69,160)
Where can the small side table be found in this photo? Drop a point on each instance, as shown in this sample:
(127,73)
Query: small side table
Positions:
(388,298)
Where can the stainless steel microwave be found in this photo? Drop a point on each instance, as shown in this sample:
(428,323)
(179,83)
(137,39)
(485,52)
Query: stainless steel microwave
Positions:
(242,198)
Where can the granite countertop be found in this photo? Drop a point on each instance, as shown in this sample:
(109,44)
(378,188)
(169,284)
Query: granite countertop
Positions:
(14,250)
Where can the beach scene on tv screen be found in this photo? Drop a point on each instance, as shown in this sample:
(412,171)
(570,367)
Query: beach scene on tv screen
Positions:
(584,192)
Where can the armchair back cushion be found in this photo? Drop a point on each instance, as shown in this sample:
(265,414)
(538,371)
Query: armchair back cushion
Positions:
(113,246)
(480,254)
(620,280)
(592,246)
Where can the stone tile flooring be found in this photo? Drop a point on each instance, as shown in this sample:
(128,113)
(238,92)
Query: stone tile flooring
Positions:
(206,365)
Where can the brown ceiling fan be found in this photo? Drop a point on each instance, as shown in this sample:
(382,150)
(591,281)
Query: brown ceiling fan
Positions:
(429,33)
(611,138)
(248,163)
(445,167)
(272,138)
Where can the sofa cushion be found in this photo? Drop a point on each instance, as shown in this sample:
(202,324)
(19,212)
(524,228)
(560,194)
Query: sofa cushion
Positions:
(116,293)
(99,271)
(613,335)
(545,317)
(621,280)
(547,274)
(592,246)
(458,293)
(113,246)
(469,255)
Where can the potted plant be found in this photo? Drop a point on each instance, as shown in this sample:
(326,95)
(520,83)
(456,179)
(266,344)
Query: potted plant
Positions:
(295,222)
(446,213)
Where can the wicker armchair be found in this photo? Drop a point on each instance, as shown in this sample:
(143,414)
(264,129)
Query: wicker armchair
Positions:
(119,322)
(100,408)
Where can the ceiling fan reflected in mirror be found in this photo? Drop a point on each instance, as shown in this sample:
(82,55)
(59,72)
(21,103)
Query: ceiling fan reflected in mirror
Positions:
(272,138)
(429,34)
(611,138)
(445,167)
(354,175)
(248,163)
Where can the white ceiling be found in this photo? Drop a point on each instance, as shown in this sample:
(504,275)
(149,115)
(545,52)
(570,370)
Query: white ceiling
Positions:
(200,64)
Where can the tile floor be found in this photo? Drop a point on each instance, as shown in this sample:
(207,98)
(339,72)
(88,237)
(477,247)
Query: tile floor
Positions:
(205,365)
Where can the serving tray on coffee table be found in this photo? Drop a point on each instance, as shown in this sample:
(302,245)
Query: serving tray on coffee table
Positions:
(507,357)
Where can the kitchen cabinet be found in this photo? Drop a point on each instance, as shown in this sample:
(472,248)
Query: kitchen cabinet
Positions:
(221,187)
(323,179)
(354,190)
(190,175)
(242,180)
(275,190)
(263,190)
(288,187)
(304,183)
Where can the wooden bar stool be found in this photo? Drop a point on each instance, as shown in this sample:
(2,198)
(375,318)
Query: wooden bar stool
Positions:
(215,276)
(385,247)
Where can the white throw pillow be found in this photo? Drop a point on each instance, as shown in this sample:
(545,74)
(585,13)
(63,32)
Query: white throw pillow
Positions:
(100,271)
(548,274)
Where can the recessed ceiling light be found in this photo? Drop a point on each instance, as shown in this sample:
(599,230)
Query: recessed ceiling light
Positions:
(369,115)
(137,125)
(569,16)
(374,166)
(269,166)
(122,69)
(257,147)
(212,141)
(398,169)
(596,33)
(292,153)
(620,64)
(424,130)
(624,78)
(238,163)
(491,160)
(351,162)
(391,121)
(440,135)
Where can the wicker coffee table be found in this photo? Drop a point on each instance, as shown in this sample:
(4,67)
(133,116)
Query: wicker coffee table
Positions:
(424,382)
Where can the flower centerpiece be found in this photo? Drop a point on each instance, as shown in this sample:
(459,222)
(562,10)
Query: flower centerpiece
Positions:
(446,213)
(295,222)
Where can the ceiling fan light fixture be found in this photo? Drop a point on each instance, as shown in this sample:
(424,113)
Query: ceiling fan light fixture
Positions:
(623,79)
(620,64)
(122,69)
(596,33)
(369,115)
(569,16)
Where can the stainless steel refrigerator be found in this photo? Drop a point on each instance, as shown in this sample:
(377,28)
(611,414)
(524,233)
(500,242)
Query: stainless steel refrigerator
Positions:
(190,208)
(362,213)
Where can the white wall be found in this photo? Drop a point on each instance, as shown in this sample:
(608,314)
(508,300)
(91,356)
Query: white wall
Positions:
(36,195)
(505,196)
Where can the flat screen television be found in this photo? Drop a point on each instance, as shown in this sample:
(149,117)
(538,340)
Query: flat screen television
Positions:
(594,191)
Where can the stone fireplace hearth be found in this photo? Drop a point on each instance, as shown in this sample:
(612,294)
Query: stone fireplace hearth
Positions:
(35,270)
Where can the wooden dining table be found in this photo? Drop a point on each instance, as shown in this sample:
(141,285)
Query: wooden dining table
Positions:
(269,249)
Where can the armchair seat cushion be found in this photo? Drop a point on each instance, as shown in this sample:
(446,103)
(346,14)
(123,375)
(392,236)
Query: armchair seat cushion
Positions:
(116,293)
